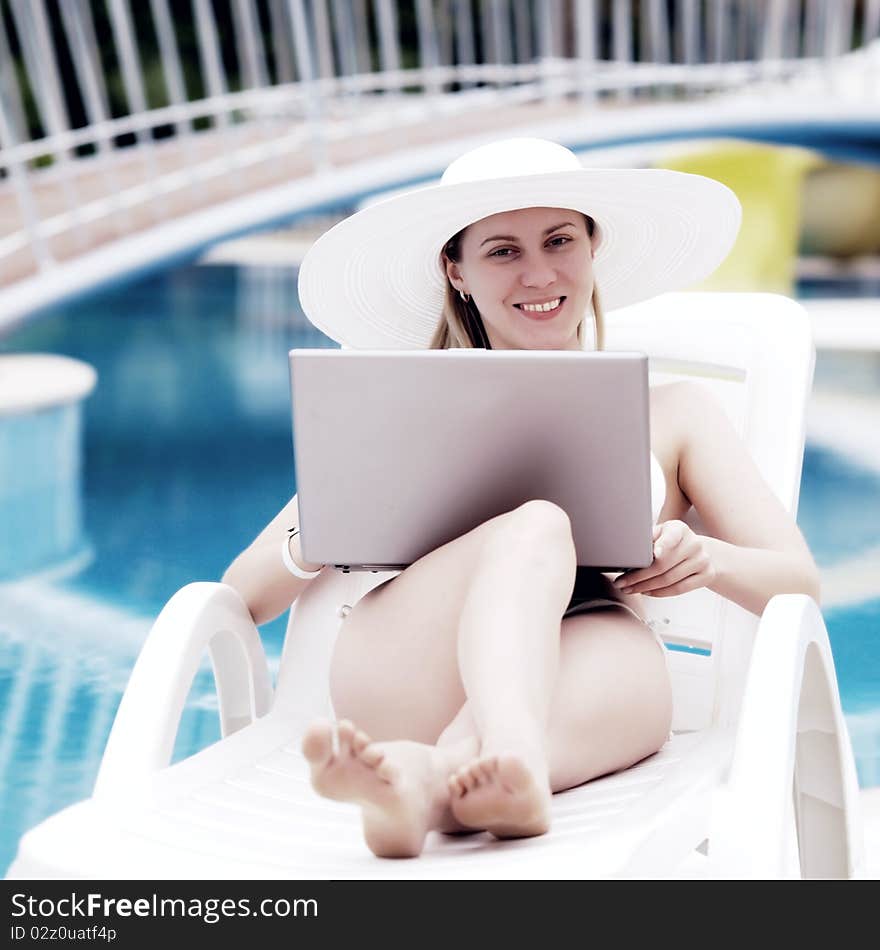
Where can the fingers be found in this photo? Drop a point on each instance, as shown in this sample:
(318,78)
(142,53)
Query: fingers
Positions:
(692,582)
(678,554)
(666,578)
(703,574)
(667,540)
(656,535)
(669,536)
(687,575)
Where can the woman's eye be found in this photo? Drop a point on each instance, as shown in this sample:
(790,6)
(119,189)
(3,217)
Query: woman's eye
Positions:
(559,241)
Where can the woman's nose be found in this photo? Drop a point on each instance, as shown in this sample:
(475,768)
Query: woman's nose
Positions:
(537,273)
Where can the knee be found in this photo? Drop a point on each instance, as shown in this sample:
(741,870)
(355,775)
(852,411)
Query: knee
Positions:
(540,527)
(541,519)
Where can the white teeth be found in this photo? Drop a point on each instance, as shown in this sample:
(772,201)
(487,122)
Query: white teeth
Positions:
(542,307)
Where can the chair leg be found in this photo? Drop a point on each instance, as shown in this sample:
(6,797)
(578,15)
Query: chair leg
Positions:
(823,797)
(791,863)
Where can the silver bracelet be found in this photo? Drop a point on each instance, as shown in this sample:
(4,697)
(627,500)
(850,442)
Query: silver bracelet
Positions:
(289,562)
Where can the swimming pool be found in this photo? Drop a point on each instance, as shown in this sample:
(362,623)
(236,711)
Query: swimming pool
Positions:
(188,454)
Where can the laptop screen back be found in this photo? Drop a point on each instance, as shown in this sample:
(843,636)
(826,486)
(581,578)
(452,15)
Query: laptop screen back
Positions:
(399,452)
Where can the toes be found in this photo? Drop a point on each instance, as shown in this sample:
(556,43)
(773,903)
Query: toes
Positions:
(460,777)
(470,777)
(473,777)
(386,771)
(371,756)
(360,741)
(317,743)
(345,730)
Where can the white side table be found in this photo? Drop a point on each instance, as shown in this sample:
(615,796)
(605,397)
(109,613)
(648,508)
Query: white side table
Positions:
(41,398)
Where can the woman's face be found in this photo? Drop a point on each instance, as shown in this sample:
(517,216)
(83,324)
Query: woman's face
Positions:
(515,263)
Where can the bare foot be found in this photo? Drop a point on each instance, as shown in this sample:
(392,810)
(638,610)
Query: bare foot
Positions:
(501,794)
(400,786)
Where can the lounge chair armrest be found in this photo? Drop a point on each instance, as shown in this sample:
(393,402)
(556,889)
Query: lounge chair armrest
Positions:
(791,744)
(199,616)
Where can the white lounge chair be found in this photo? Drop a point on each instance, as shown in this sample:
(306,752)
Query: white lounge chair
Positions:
(758,780)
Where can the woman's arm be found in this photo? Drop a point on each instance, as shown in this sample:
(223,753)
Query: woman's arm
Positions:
(259,574)
(751,576)
(753,548)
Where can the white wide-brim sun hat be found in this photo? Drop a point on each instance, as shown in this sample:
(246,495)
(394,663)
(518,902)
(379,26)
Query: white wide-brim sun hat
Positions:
(375,280)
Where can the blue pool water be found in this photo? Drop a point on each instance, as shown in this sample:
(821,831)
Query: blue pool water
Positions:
(187,456)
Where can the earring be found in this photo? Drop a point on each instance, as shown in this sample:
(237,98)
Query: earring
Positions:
(465,297)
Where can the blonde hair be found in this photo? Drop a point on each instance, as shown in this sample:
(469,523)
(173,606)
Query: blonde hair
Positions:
(461,325)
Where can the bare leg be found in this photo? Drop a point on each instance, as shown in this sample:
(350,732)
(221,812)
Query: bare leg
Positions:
(508,651)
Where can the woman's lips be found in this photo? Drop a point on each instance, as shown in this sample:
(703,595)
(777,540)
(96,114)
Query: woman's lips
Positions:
(543,314)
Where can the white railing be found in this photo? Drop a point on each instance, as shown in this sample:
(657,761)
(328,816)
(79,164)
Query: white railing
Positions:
(314,72)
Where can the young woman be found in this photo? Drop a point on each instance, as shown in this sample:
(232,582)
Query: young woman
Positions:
(493,671)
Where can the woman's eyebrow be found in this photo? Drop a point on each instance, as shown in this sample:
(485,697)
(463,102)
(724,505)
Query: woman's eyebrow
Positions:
(510,237)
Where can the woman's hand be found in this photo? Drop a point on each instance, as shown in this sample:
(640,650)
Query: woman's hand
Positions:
(682,562)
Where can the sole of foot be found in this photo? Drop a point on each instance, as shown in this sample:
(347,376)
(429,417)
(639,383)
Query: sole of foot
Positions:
(395,810)
(500,794)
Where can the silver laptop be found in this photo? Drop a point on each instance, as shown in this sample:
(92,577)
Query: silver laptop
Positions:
(399,452)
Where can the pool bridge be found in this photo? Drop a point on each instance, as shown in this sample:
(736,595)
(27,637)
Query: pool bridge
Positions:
(305,104)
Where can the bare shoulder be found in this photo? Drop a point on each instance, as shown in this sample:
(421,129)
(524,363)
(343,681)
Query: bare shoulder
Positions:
(678,394)
(716,472)
(678,410)
(670,406)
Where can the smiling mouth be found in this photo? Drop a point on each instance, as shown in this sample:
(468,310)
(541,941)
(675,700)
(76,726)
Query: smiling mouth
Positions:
(541,311)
